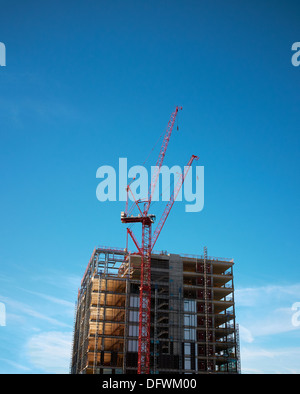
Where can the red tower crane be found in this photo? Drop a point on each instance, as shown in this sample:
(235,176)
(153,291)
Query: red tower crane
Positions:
(147,244)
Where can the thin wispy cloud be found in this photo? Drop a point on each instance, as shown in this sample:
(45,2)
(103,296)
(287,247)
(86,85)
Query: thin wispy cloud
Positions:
(252,296)
(50,351)
(245,334)
(24,309)
(61,280)
(266,313)
(267,310)
(261,360)
(37,108)
(52,299)
(15,365)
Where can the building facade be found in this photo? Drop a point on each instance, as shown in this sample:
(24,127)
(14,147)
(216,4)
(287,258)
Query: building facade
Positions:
(193,327)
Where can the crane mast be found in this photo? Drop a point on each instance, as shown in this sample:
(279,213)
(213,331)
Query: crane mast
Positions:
(147,244)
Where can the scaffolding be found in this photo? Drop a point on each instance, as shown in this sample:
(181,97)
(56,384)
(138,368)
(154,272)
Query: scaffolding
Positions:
(193,326)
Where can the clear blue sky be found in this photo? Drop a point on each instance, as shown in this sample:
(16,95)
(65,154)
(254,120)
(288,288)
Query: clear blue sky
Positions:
(88,82)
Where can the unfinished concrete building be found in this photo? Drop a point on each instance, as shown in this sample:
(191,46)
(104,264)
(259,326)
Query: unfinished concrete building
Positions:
(193,328)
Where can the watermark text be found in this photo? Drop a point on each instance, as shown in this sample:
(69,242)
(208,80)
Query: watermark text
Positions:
(296,56)
(2,55)
(192,190)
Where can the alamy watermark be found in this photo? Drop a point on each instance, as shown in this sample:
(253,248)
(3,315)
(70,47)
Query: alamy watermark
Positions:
(296,56)
(192,191)
(2,54)
(2,314)
(296,315)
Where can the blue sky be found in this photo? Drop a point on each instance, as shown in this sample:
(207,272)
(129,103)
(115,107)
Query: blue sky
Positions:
(87,83)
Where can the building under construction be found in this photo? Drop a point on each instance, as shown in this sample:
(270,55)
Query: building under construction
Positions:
(148,312)
(192,315)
